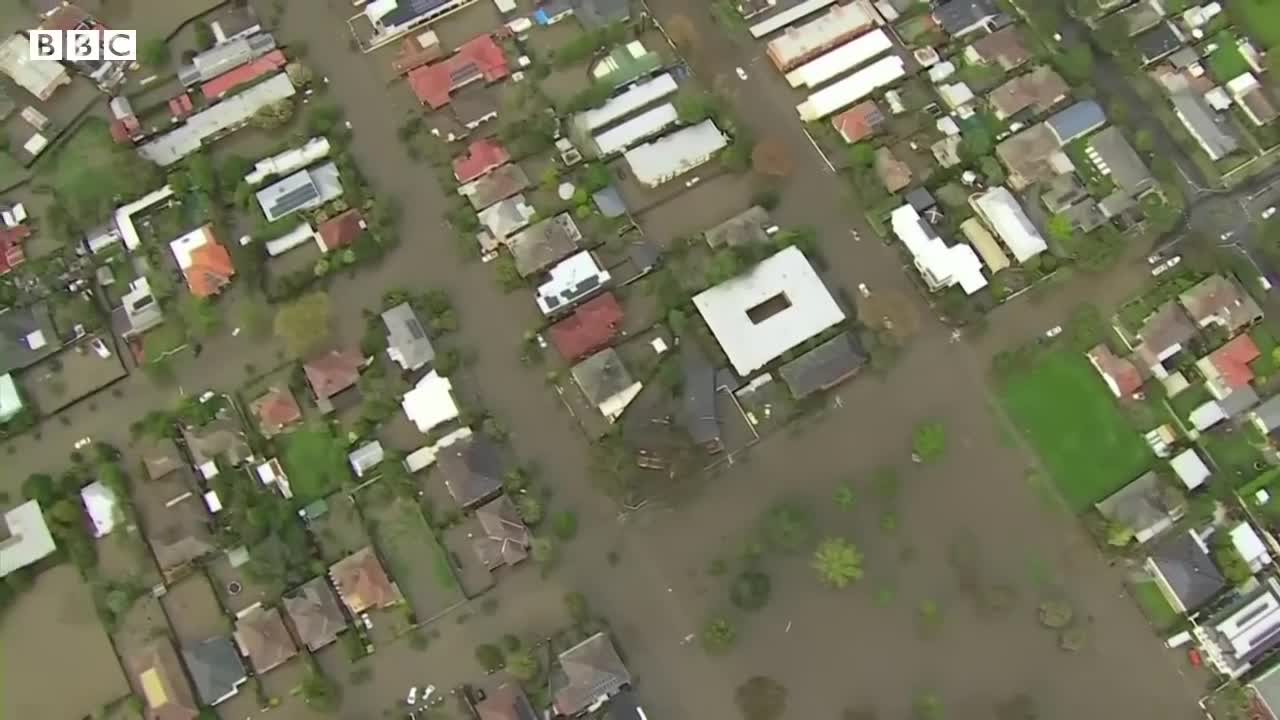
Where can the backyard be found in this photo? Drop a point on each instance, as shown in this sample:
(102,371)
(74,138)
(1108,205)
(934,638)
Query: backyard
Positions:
(1064,410)
(315,462)
(417,561)
(1260,18)
(89,173)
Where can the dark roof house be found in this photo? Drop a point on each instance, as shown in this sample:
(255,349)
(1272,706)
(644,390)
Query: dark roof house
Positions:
(1184,572)
(590,673)
(1076,121)
(961,17)
(699,415)
(407,342)
(1005,47)
(263,638)
(1143,506)
(1158,42)
(507,702)
(27,336)
(215,669)
(473,470)
(313,609)
(1219,301)
(1163,335)
(502,538)
(824,366)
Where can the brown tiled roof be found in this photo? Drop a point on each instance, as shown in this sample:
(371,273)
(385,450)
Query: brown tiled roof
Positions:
(313,610)
(276,410)
(333,372)
(263,638)
(211,268)
(362,583)
(341,230)
(1005,47)
(504,539)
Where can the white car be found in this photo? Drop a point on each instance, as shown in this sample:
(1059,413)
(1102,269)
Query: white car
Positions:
(1154,259)
(427,692)
(864,290)
(1266,214)
(368,623)
(692,181)
(1166,266)
(1053,332)
(412,699)
(100,348)
(742,74)
(82,443)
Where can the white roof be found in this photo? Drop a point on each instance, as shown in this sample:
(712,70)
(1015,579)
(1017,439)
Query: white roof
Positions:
(289,160)
(100,503)
(38,77)
(628,102)
(1004,215)
(124,215)
(212,501)
(430,402)
(425,456)
(1190,469)
(942,71)
(853,88)
(774,23)
(1249,544)
(1207,415)
(1242,83)
(292,239)
(797,43)
(1252,623)
(955,94)
(571,279)
(943,265)
(676,153)
(184,245)
(10,400)
(749,344)
(270,473)
(625,134)
(29,538)
(366,457)
(224,115)
(842,59)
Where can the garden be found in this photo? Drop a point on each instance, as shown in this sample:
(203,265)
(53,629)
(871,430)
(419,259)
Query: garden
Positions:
(315,461)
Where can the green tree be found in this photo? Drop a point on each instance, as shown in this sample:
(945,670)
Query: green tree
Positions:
(1055,614)
(761,698)
(927,706)
(524,665)
(789,527)
(489,657)
(565,525)
(575,603)
(1144,141)
(1119,534)
(750,590)
(845,496)
(154,53)
(303,324)
(837,562)
(273,116)
(718,636)
(530,509)
(199,316)
(318,691)
(1229,560)
(205,38)
(929,441)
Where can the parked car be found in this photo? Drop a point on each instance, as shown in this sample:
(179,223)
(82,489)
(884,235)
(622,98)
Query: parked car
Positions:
(427,692)
(364,618)
(1266,214)
(742,74)
(1053,332)
(412,699)
(100,348)
(1166,266)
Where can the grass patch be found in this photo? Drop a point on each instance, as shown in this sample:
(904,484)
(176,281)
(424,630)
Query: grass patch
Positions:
(1190,399)
(1260,18)
(1266,365)
(409,545)
(162,340)
(1235,454)
(1066,413)
(1226,62)
(1158,611)
(89,173)
(315,462)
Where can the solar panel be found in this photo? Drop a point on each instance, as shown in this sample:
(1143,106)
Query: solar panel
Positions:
(415,328)
(294,199)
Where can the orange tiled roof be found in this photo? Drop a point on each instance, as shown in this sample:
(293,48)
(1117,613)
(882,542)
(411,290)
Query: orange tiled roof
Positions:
(211,268)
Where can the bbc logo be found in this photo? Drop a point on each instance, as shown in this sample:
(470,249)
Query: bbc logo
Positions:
(79,45)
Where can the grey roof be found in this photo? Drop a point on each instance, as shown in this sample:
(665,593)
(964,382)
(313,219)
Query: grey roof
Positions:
(643,254)
(1239,401)
(598,13)
(27,336)
(601,376)
(1139,506)
(1186,57)
(1116,203)
(227,56)
(221,438)
(1076,121)
(538,246)
(219,118)
(1268,413)
(920,199)
(1115,157)
(624,706)
(215,667)
(1062,192)
(745,228)
(958,16)
(1166,327)
(472,469)
(507,702)
(824,366)
(1187,568)
(1212,130)
(406,11)
(1085,216)
(313,609)
(590,669)
(366,457)
(307,188)
(699,416)
(407,341)
(1267,687)
(610,202)
(503,539)
(1157,42)
(501,183)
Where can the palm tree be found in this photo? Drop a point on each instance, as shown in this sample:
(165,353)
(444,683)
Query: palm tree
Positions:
(838,562)
(846,497)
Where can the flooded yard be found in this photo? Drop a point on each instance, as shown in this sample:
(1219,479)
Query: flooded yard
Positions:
(193,609)
(417,562)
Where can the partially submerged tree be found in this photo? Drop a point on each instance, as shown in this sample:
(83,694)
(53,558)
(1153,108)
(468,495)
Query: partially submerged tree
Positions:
(761,698)
(837,562)
(303,324)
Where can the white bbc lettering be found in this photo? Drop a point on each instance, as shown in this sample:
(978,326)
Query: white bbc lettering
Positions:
(45,44)
(120,45)
(83,45)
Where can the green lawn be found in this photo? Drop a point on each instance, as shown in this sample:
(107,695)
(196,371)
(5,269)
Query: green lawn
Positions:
(1266,365)
(1159,613)
(1234,452)
(90,173)
(1065,411)
(1226,62)
(417,561)
(1190,399)
(315,462)
(1260,18)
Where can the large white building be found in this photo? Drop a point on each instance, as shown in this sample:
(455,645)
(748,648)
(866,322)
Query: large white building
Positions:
(645,125)
(315,149)
(1000,210)
(627,102)
(25,538)
(768,310)
(677,153)
(220,118)
(841,60)
(803,43)
(38,77)
(843,93)
(940,265)
(795,13)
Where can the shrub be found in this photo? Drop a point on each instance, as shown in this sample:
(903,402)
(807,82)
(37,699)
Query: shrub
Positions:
(489,657)
(750,590)
(1055,614)
(719,636)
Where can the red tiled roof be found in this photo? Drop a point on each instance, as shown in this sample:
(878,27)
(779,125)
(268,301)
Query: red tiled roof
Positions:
(211,268)
(11,252)
(1123,376)
(1232,361)
(276,410)
(588,329)
(333,372)
(478,58)
(180,106)
(482,156)
(228,81)
(341,230)
(858,121)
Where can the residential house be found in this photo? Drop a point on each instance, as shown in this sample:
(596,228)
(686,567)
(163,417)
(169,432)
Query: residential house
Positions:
(606,383)
(986,246)
(12,253)
(1249,545)
(1266,417)
(332,373)
(271,474)
(215,121)
(220,58)
(507,702)
(366,457)
(539,246)
(1036,92)
(1226,369)
(313,610)
(10,399)
(430,403)
(1032,156)
(589,673)
(940,265)
(24,537)
(263,638)
(276,411)
(1120,375)
(219,442)
(1000,210)
(478,59)
(698,412)
(102,506)
(1210,129)
(362,583)
(1235,404)
(341,230)
(894,174)
(1237,639)
(473,470)
(474,106)
(481,157)
(1062,192)
(158,679)
(590,328)
(303,190)
(962,17)
(1162,336)
(1005,47)
(1158,43)
(1219,301)
(859,122)
(501,220)
(609,202)
(38,77)
(215,668)
(177,527)
(1190,469)
(675,153)
(27,336)
(1254,100)
(1076,121)
(252,71)
(569,281)
(1184,572)
(160,458)
(1113,157)
(1144,506)
(501,538)
(138,312)
(1142,15)
(825,366)
(498,184)
(407,343)
(204,261)
(748,227)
